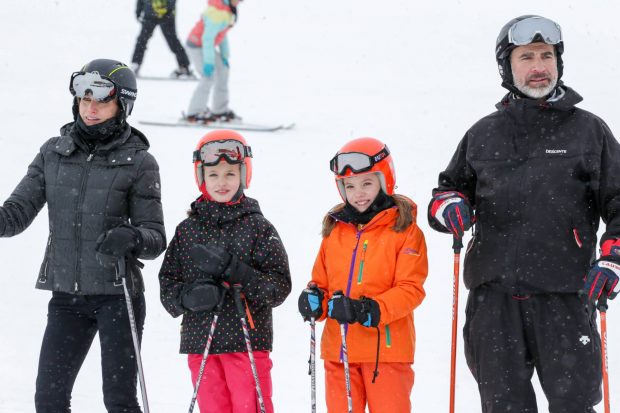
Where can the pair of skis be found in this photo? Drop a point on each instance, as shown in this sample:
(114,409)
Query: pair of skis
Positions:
(235,125)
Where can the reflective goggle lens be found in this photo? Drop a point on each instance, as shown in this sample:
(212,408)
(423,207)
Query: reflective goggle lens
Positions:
(92,85)
(212,152)
(523,32)
(357,162)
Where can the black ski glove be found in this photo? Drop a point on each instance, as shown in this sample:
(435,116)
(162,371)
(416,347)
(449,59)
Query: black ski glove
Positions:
(121,241)
(347,310)
(220,264)
(310,302)
(201,295)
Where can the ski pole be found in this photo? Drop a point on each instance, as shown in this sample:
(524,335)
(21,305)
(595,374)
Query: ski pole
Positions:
(248,344)
(457,244)
(313,364)
(205,354)
(121,269)
(602,308)
(345,358)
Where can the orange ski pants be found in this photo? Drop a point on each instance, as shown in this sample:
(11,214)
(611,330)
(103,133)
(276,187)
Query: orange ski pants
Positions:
(390,393)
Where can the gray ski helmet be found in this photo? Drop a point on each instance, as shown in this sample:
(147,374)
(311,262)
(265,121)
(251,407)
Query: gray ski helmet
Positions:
(538,29)
(118,73)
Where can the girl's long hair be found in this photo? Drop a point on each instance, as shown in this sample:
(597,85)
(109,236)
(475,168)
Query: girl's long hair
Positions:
(406,215)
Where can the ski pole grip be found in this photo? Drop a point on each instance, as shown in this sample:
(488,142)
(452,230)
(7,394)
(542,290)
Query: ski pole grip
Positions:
(457,244)
(601,304)
(237,298)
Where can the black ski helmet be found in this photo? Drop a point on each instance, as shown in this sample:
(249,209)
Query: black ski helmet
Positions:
(118,73)
(504,45)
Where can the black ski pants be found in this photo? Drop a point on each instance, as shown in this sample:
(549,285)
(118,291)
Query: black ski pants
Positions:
(72,322)
(169,30)
(507,337)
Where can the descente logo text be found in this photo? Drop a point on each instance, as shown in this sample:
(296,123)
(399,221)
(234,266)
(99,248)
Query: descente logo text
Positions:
(555,151)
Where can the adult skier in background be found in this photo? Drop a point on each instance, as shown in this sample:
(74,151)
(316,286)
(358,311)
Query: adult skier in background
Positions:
(209,50)
(102,189)
(162,13)
(534,179)
(225,240)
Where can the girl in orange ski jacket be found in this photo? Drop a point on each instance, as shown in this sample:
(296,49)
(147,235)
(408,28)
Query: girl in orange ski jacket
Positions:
(368,276)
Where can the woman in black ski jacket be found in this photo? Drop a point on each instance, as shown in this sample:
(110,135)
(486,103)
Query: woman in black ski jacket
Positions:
(102,189)
(225,242)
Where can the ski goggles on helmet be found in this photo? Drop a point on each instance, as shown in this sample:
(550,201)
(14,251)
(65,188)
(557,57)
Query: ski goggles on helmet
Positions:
(93,85)
(231,150)
(357,162)
(527,30)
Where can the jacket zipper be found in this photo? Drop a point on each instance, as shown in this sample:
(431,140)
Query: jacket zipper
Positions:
(78,223)
(43,278)
(388,337)
(361,268)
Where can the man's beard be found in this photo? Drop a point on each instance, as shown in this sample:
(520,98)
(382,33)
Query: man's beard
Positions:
(536,92)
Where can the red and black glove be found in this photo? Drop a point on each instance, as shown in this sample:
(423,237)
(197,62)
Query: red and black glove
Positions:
(453,211)
(604,276)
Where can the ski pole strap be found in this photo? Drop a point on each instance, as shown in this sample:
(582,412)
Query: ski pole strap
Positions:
(602,303)
(220,304)
(237,298)
(457,244)
(376,372)
(121,267)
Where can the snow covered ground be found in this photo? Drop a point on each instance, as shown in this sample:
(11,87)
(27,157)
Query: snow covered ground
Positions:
(414,74)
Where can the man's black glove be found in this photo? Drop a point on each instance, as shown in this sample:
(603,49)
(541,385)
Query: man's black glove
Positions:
(310,302)
(347,310)
(201,295)
(220,264)
(121,241)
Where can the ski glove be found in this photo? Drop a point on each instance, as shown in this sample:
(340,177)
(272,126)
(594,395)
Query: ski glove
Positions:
(310,302)
(121,241)
(220,264)
(208,69)
(604,275)
(347,310)
(201,295)
(453,211)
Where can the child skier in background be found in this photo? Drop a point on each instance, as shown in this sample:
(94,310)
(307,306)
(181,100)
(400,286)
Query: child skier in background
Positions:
(225,241)
(209,52)
(368,275)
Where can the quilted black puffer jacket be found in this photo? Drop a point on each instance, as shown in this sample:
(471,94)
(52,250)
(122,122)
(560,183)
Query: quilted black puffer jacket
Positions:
(87,193)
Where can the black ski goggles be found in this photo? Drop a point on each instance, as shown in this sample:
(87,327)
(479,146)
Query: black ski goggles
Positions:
(527,30)
(357,162)
(92,85)
(231,150)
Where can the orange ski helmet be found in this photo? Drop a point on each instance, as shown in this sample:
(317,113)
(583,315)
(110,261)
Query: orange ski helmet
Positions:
(220,145)
(362,156)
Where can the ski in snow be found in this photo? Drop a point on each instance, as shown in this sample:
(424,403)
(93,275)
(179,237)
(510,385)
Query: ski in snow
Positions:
(176,79)
(235,125)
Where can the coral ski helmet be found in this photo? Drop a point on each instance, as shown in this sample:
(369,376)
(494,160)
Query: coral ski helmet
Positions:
(521,31)
(362,156)
(103,80)
(218,145)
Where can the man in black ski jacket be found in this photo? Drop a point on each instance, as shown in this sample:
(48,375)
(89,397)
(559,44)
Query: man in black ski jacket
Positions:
(103,193)
(535,177)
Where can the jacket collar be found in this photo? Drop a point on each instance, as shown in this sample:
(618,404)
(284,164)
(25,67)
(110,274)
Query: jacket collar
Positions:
(563,99)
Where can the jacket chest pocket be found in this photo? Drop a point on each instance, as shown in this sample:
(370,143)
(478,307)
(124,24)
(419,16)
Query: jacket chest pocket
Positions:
(121,157)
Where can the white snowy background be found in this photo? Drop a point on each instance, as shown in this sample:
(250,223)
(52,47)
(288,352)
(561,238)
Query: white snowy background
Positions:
(413,74)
